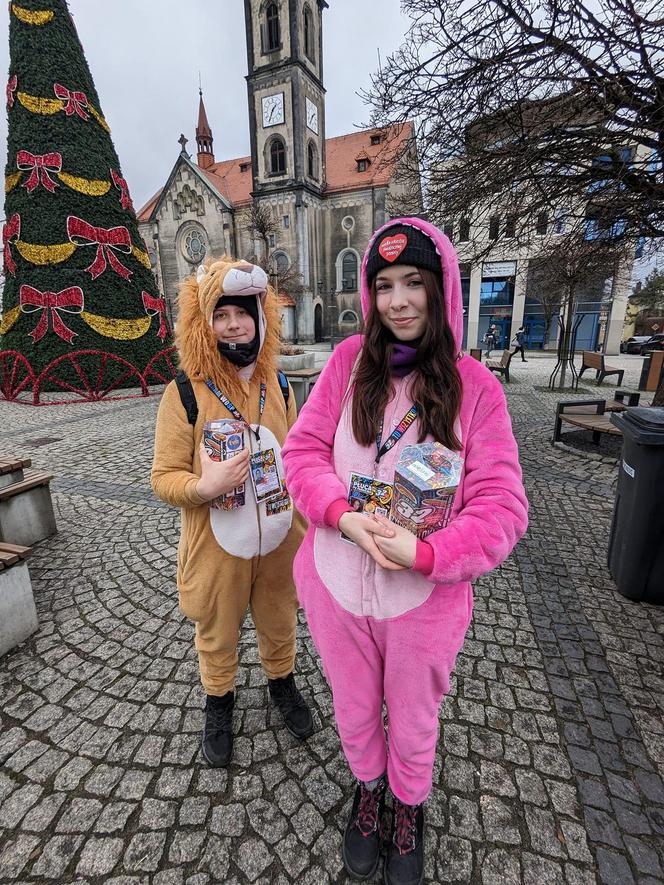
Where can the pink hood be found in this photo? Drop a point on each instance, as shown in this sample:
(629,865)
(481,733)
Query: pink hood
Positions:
(449,264)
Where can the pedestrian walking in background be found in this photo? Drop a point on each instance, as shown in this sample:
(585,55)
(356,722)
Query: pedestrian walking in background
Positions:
(389,612)
(229,560)
(491,339)
(519,341)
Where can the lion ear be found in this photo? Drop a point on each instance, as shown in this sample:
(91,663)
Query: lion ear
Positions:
(200,274)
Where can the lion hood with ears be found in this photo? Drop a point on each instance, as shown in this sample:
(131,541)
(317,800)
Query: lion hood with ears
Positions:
(194,339)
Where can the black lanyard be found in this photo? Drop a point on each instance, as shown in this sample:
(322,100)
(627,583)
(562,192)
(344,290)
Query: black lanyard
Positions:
(235,411)
(396,434)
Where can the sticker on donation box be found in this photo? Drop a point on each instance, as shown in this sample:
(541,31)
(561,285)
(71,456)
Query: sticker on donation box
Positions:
(628,470)
(264,475)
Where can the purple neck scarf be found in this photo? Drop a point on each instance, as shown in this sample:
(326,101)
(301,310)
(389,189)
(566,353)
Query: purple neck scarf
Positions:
(403,359)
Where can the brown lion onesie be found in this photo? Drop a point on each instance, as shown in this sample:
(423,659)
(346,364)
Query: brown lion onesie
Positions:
(231,560)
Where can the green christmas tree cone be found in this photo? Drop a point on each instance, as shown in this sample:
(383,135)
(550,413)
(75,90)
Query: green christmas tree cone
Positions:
(81,311)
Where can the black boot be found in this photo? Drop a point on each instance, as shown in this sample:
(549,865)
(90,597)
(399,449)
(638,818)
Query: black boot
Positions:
(297,715)
(404,864)
(361,848)
(218,729)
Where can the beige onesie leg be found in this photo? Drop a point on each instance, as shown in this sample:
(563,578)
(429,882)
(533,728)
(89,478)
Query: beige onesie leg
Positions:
(274,608)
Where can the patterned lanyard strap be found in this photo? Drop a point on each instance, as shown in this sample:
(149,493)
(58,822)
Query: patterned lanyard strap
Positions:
(396,434)
(234,410)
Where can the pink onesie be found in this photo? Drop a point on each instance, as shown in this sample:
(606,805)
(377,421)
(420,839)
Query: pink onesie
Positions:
(394,636)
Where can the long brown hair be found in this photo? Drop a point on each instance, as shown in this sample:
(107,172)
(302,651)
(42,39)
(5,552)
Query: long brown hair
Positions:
(436,385)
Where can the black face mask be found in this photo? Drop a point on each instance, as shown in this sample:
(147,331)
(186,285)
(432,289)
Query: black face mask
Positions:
(240,355)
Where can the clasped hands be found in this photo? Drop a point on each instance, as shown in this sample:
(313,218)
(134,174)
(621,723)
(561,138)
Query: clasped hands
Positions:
(390,546)
(221,477)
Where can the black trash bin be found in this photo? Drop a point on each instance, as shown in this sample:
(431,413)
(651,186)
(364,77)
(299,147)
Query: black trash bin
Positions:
(636,544)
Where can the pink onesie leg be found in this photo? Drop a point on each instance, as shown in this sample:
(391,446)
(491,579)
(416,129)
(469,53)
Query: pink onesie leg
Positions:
(354,668)
(419,650)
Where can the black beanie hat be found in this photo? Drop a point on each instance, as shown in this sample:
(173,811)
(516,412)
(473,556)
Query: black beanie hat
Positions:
(402,244)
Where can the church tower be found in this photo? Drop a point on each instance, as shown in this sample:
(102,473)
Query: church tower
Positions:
(287,131)
(286,94)
(204,137)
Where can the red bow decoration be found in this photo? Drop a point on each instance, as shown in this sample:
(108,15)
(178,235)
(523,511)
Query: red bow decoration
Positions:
(11,89)
(121,184)
(32,300)
(153,307)
(41,165)
(76,101)
(10,232)
(84,234)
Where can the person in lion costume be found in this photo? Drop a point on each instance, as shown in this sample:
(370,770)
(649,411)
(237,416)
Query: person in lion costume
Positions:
(227,336)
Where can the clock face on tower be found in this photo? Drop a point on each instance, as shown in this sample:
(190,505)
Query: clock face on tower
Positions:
(311,115)
(273,109)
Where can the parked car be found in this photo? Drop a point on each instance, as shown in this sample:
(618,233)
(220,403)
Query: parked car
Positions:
(655,342)
(633,344)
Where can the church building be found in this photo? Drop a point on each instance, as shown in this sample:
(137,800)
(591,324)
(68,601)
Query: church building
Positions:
(302,204)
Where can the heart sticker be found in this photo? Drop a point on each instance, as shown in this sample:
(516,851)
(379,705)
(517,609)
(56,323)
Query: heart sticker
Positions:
(391,247)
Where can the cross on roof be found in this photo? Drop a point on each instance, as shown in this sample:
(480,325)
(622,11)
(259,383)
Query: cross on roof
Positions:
(182,141)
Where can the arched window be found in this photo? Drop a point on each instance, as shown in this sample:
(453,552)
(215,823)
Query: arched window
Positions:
(349,272)
(277,157)
(312,161)
(273,35)
(281,262)
(309,34)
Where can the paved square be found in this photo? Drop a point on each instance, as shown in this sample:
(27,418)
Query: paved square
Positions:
(551,757)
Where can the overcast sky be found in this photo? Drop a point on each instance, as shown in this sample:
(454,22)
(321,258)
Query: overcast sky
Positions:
(145,56)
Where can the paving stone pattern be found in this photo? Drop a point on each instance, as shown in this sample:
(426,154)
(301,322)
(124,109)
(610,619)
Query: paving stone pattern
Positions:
(551,758)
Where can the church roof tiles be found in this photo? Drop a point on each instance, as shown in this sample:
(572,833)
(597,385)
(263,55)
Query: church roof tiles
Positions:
(233,179)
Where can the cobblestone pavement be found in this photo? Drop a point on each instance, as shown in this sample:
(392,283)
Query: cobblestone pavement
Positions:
(551,758)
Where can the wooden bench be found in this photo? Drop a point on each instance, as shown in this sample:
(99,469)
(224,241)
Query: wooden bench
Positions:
(589,415)
(18,613)
(26,509)
(502,366)
(592,360)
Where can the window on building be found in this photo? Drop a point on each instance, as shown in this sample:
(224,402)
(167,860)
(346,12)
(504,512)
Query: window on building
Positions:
(312,161)
(464,230)
(277,157)
(497,291)
(271,241)
(448,229)
(244,167)
(309,34)
(272,38)
(349,272)
(194,246)
(286,222)
(362,165)
(541,224)
(375,139)
(560,221)
(494,227)
(510,227)
(281,262)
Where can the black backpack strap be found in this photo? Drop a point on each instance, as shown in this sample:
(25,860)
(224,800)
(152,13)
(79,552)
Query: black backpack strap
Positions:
(187,396)
(283,383)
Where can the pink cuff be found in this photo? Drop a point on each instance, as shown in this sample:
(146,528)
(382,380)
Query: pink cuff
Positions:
(335,511)
(423,557)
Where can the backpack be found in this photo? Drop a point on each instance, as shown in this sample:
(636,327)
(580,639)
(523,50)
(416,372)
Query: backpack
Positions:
(188,396)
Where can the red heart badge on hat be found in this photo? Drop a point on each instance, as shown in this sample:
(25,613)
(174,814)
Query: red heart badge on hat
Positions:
(391,247)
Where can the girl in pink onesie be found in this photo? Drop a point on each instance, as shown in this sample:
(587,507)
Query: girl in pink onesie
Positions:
(388,615)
